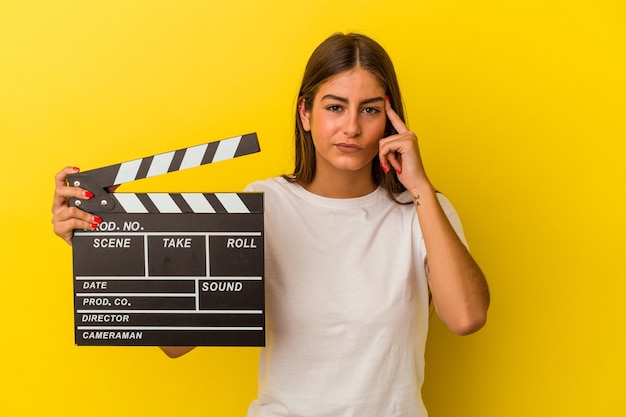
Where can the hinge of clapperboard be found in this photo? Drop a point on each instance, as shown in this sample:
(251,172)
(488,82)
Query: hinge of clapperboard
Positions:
(98,180)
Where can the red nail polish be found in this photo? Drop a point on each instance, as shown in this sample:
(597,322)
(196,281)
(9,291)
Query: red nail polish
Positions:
(76,168)
(88,194)
(387,98)
(97,219)
(397,171)
(94,226)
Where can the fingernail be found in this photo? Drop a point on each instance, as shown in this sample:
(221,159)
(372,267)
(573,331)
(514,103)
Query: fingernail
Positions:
(88,194)
(397,171)
(97,219)
(387,98)
(76,168)
(94,226)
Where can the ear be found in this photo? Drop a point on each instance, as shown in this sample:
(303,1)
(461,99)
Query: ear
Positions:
(305,116)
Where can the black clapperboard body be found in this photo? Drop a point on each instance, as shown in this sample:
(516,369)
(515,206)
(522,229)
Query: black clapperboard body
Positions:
(166,269)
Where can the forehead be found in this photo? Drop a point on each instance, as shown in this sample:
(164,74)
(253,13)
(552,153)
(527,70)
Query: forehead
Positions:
(356,83)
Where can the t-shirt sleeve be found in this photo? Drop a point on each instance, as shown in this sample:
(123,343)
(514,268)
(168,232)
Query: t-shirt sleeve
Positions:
(254,187)
(454,220)
(452,216)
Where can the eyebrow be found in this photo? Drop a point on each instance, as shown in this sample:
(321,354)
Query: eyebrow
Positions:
(345,100)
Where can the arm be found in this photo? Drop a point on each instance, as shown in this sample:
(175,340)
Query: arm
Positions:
(457,284)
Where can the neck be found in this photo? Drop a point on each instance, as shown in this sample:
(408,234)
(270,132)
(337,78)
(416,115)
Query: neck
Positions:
(342,184)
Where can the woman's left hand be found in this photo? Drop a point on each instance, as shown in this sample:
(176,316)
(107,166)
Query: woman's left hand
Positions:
(401,152)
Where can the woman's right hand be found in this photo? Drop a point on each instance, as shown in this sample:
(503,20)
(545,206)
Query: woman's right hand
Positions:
(65,218)
(176,351)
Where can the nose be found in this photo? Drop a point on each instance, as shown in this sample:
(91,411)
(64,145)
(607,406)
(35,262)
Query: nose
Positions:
(352,125)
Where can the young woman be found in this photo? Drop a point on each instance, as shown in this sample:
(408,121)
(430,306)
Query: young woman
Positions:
(357,240)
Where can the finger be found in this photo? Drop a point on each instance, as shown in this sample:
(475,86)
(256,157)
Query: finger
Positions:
(70,218)
(393,117)
(387,152)
(63,192)
(61,176)
(70,213)
(395,160)
(390,156)
(382,157)
(397,149)
(65,229)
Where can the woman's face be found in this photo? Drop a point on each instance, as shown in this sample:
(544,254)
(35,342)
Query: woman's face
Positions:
(346,120)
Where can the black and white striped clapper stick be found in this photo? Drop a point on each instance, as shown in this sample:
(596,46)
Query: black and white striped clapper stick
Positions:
(175,269)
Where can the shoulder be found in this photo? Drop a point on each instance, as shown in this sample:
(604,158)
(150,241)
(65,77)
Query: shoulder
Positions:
(268,185)
(446,204)
(275,189)
(452,215)
(448,209)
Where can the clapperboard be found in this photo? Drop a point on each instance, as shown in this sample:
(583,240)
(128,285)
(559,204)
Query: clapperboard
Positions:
(170,269)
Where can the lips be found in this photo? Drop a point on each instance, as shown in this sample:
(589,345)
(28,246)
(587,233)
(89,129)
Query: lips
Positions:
(347,147)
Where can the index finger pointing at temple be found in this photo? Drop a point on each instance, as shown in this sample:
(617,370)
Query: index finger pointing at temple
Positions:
(395,120)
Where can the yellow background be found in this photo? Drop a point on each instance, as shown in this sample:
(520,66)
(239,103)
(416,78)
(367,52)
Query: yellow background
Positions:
(520,107)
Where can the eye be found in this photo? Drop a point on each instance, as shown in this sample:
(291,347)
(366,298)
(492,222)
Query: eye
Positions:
(370,110)
(334,108)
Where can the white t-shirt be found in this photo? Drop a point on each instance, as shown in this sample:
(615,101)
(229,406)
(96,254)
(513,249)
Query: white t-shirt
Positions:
(346,305)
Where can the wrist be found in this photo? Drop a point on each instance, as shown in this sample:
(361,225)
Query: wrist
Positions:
(421,193)
(420,189)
